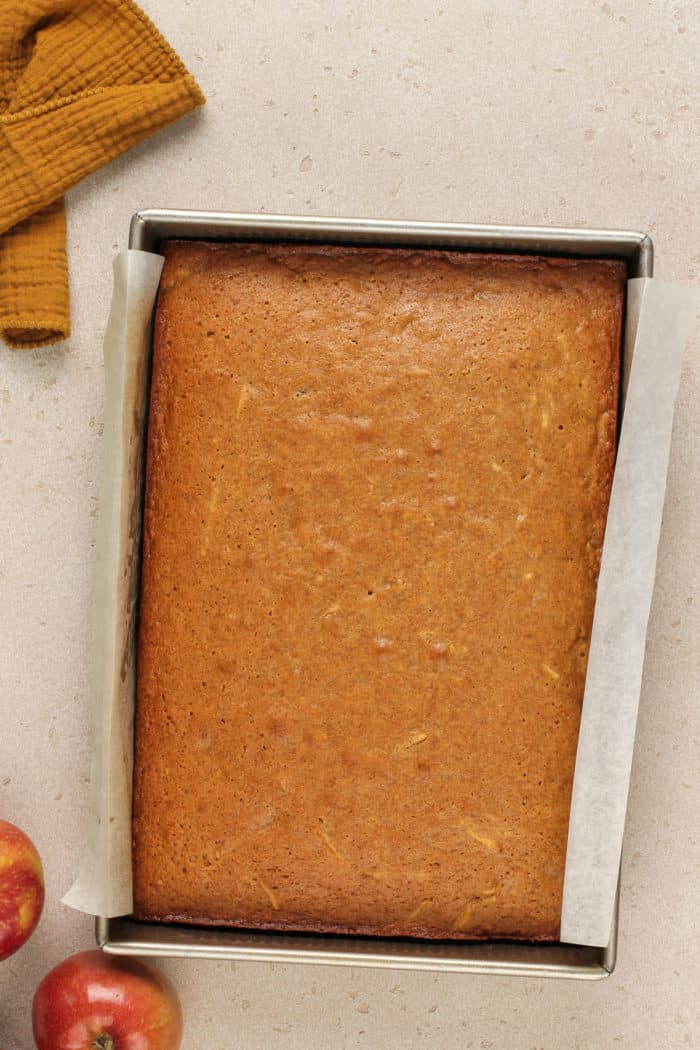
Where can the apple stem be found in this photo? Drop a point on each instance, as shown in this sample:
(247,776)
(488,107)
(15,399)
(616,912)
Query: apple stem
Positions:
(104,1042)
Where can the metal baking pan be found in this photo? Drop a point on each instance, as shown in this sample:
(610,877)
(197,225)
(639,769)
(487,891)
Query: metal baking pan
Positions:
(127,936)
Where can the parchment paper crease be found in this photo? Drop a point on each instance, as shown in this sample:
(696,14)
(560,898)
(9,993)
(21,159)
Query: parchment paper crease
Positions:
(659,317)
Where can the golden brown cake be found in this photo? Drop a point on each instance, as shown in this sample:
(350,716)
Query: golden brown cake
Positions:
(376,494)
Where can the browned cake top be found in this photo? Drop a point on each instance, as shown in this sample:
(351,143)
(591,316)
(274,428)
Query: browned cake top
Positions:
(377,488)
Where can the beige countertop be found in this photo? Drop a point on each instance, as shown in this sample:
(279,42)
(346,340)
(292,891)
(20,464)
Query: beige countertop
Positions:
(520,111)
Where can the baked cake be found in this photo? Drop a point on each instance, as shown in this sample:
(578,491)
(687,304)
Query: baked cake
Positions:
(377,485)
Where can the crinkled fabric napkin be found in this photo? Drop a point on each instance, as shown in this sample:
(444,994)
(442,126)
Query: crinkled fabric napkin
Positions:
(80,82)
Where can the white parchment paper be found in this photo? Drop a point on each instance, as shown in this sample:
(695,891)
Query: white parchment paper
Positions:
(103,886)
(659,317)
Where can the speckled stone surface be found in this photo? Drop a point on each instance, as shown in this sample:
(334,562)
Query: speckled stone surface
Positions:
(531,112)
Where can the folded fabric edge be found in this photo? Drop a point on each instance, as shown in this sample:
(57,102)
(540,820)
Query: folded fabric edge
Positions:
(41,110)
(155,32)
(28,332)
(184,96)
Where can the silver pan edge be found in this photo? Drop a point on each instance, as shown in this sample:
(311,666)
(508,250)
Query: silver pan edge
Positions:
(126,936)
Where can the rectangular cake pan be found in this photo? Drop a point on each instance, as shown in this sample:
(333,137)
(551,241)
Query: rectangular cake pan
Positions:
(127,936)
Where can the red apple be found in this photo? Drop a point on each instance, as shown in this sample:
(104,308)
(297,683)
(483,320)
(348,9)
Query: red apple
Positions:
(21,888)
(93,1001)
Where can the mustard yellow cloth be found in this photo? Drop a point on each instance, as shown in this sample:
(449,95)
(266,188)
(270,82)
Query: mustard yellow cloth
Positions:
(80,82)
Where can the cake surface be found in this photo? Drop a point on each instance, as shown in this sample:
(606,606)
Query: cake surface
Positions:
(377,485)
